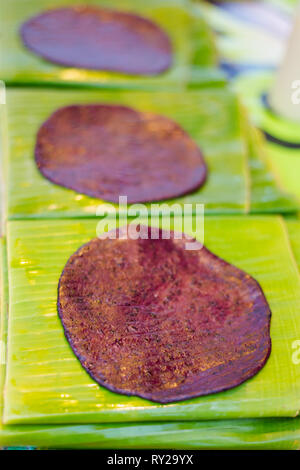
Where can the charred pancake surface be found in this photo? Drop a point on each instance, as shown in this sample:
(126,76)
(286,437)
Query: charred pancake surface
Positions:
(99,39)
(151,319)
(108,151)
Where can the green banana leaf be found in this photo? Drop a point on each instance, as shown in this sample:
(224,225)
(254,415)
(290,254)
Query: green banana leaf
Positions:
(284,162)
(45,383)
(212,118)
(266,194)
(235,434)
(192,42)
(3,317)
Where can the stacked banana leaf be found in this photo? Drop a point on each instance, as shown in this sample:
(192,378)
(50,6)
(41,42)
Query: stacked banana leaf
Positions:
(250,48)
(191,38)
(239,180)
(47,400)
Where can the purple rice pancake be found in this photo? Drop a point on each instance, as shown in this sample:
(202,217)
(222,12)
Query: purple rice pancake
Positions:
(107,151)
(148,318)
(99,39)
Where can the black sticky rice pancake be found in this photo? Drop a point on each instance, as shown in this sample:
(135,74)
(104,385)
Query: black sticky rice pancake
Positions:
(99,39)
(149,318)
(110,151)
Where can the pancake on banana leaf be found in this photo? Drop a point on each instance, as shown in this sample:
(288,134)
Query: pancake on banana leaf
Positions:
(99,39)
(147,317)
(107,151)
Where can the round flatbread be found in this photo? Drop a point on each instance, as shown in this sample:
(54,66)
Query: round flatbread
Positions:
(110,151)
(99,39)
(147,317)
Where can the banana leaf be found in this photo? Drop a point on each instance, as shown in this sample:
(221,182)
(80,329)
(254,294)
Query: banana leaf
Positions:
(287,6)
(286,163)
(212,118)
(3,318)
(293,228)
(45,383)
(192,42)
